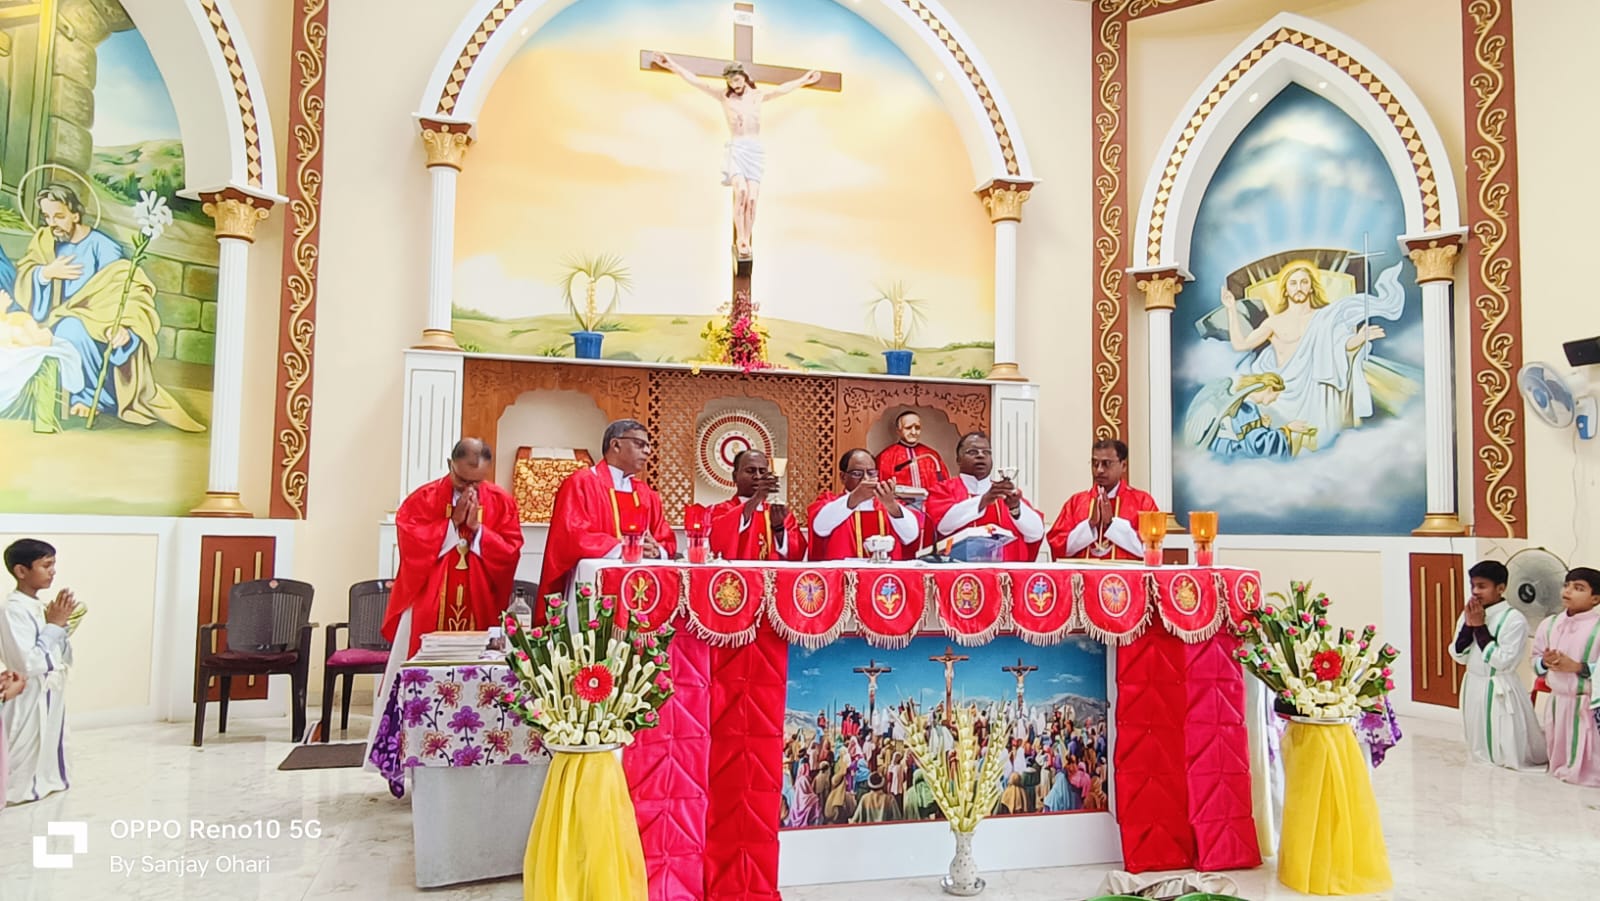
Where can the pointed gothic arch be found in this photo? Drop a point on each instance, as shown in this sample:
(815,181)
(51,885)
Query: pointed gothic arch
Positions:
(1292,48)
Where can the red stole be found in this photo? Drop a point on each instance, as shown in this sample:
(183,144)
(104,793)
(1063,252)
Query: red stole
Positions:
(846,540)
(1127,505)
(953,491)
(757,542)
(462,590)
(918,466)
(589,518)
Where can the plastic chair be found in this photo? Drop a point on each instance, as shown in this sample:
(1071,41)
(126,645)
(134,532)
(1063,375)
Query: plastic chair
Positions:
(366,651)
(268,633)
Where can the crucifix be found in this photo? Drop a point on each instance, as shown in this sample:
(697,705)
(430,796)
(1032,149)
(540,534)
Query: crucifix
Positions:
(1021,672)
(872,671)
(741,101)
(949,658)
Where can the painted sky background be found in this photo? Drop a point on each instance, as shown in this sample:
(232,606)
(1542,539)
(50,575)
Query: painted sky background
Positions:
(825,678)
(579,151)
(131,102)
(1302,174)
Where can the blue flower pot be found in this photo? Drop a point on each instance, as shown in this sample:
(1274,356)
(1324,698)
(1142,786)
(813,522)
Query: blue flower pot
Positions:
(897,362)
(586,345)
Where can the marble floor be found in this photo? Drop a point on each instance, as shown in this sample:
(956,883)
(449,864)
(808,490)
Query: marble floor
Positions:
(1455,831)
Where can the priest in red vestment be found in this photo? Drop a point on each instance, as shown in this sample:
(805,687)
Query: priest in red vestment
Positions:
(840,523)
(908,462)
(972,499)
(1103,522)
(460,540)
(596,506)
(746,526)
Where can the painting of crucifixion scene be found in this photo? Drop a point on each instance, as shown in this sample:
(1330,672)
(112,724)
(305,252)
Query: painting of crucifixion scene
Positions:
(846,755)
(693,157)
(108,280)
(1297,349)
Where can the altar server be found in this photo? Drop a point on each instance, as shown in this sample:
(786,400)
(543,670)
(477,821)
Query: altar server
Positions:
(1491,639)
(595,507)
(908,461)
(34,642)
(841,523)
(1102,523)
(748,527)
(460,540)
(1566,651)
(972,499)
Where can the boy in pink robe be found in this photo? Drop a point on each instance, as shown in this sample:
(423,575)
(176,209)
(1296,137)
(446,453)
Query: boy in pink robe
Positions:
(1566,652)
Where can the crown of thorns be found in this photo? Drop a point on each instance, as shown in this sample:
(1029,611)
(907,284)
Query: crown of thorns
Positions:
(733,69)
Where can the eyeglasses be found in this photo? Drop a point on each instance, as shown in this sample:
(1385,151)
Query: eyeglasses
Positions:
(640,443)
(858,473)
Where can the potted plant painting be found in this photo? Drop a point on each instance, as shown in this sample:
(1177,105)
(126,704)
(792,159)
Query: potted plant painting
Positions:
(905,314)
(585,279)
(965,784)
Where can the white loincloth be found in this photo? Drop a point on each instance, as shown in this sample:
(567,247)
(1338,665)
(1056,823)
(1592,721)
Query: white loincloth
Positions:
(745,157)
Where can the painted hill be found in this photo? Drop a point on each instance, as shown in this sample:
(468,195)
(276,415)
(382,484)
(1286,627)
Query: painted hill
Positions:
(125,170)
(676,339)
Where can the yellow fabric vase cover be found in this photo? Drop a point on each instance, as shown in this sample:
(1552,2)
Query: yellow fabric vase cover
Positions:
(584,845)
(1332,841)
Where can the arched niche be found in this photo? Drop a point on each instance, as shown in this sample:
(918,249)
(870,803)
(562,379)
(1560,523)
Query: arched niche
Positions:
(1292,48)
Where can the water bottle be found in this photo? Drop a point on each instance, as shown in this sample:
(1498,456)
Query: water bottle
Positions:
(519,608)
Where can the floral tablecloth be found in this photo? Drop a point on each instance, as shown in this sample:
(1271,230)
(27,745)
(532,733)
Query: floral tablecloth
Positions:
(447,716)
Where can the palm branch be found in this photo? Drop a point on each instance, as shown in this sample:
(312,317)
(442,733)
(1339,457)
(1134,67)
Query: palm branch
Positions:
(906,313)
(593,267)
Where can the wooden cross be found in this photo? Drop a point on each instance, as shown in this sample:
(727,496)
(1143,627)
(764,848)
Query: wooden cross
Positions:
(949,658)
(872,671)
(1021,672)
(744,53)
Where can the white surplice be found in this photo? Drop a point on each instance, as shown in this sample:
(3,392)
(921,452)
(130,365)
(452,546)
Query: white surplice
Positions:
(1495,710)
(35,721)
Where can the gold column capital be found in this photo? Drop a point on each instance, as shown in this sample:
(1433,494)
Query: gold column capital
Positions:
(235,213)
(1159,286)
(446,143)
(1434,255)
(1003,200)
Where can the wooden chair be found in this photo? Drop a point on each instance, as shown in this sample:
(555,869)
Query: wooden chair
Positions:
(366,651)
(268,633)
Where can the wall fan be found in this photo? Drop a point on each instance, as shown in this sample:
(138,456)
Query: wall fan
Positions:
(1534,586)
(1560,399)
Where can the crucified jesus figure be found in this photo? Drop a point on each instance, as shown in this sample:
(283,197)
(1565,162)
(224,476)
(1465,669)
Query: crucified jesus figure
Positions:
(745,158)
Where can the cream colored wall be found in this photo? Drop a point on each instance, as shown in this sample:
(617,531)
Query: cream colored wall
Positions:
(115,577)
(1353,580)
(1555,64)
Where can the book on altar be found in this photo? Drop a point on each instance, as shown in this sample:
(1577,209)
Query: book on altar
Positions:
(975,544)
(452,647)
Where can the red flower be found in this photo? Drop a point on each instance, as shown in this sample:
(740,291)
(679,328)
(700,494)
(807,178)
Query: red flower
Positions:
(593,684)
(1327,665)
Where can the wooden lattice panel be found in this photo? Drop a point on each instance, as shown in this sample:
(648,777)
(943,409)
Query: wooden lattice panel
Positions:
(862,402)
(493,385)
(677,398)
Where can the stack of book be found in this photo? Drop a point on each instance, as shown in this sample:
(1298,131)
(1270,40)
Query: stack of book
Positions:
(452,647)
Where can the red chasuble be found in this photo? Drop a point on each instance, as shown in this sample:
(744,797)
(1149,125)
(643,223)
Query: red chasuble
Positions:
(589,518)
(1127,505)
(461,590)
(846,541)
(917,466)
(953,491)
(757,542)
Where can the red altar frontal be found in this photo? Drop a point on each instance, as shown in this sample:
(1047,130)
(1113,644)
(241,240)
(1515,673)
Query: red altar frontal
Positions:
(706,783)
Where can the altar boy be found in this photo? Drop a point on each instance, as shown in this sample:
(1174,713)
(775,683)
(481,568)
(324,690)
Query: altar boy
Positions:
(1566,651)
(34,642)
(1491,639)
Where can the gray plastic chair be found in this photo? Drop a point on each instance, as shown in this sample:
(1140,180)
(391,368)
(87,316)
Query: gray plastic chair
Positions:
(366,651)
(267,633)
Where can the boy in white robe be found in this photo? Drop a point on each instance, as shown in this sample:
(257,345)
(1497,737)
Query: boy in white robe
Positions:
(1491,641)
(34,642)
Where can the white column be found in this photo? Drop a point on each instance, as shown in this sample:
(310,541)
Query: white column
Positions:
(1160,286)
(235,214)
(1434,255)
(1003,201)
(446,143)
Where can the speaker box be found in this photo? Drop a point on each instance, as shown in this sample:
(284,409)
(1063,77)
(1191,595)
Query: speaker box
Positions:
(1583,353)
